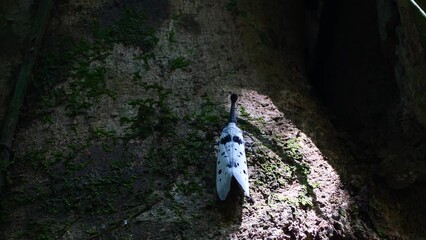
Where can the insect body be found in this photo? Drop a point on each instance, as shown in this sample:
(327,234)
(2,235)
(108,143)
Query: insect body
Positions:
(231,157)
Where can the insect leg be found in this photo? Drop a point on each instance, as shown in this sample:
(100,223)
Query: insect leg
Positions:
(251,147)
(210,150)
(250,144)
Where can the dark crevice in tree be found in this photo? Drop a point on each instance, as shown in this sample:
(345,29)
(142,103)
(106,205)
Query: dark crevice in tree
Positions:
(356,73)
(351,74)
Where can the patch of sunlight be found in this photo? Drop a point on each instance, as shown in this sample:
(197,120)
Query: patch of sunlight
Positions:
(295,190)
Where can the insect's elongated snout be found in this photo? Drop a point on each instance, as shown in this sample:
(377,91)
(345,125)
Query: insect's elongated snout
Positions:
(232,115)
(234,98)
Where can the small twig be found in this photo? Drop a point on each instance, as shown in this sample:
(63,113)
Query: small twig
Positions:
(68,227)
(120,223)
(418,8)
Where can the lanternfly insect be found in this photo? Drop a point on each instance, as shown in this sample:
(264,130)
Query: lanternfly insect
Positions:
(231,157)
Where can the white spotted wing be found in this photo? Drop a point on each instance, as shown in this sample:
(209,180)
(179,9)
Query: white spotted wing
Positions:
(231,161)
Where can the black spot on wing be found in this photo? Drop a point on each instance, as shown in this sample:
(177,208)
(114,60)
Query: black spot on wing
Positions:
(225,139)
(220,171)
(223,153)
(237,140)
(241,153)
(244,171)
(229,165)
(218,162)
